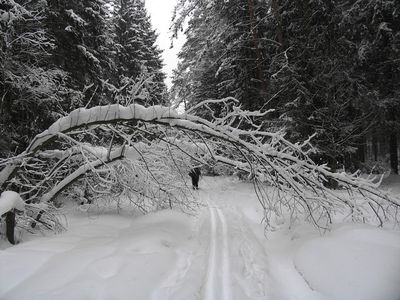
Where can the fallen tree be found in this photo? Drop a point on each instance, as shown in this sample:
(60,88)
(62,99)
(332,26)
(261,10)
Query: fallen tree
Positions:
(268,158)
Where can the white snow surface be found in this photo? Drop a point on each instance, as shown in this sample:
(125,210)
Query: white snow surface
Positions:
(219,254)
(10,200)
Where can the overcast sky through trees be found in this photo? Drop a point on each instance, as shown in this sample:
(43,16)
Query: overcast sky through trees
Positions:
(161,14)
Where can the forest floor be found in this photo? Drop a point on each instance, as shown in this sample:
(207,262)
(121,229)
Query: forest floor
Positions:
(222,252)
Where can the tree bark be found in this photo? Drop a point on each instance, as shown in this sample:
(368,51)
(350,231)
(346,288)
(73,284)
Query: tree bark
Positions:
(361,150)
(375,146)
(333,165)
(259,56)
(10,225)
(394,158)
(279,31)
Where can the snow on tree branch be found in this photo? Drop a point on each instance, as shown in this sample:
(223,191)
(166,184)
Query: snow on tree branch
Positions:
(268,158)
(10,200)
(107,158)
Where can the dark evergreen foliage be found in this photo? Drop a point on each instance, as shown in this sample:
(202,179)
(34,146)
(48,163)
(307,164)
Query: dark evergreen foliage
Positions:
(136,52)
(59,55)
(31,88)
(318,89)
(328,68)
(224,54)
(376,34)
(82,49)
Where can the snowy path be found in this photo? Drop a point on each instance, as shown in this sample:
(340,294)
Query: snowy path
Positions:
(237,262)
(218,281)
(226,261)
(219,254)
(238,265)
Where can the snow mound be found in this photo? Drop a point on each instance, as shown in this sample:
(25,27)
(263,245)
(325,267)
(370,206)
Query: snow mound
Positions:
(353,263)
(106,257)
(10,200)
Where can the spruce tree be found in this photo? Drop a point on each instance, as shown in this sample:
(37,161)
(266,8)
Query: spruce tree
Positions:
(137,54)
(291,56)
(375,32)
(317,89)
(80,30)
(31,88)
(224,54)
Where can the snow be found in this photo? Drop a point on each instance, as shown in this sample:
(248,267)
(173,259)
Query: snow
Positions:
(77,19)
(354,263)
(97,114)
(88,54)
(221,253)
(213,288)
(109,257)
(10,200)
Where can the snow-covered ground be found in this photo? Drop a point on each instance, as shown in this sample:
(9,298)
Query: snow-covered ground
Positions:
(219,254)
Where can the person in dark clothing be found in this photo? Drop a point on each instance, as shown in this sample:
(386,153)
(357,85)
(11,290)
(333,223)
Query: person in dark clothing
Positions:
(195,175)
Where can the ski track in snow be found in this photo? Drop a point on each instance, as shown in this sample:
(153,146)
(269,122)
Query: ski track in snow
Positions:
(230,261)
(226,280)
(218,281)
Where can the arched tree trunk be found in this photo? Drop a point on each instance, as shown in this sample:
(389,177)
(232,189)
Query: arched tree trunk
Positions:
(262,154)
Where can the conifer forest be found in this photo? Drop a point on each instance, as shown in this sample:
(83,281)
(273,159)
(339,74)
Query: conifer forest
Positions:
(264,166)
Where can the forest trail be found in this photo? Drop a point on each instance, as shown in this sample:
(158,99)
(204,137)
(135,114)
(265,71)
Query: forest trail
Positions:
(237,265)
(218,253)
(218,283)
(226,261)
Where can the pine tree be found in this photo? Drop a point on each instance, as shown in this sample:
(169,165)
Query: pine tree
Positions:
(137,54)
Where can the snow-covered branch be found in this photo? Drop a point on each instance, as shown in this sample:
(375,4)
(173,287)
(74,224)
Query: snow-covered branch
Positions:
(109,157)
(167,137)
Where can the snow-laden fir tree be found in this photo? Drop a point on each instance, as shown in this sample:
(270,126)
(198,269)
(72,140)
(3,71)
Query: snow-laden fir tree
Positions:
(136,52)
(333,73)
(313,79)
(82,37)
(375,33)
(31,88)
(224,54)
(328,68)
(194,79)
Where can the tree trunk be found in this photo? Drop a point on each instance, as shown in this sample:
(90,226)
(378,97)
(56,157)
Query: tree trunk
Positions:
(361,150)
(10,225)
(394,158)
(333,165)
(279,31)
(256,45)
(375,146)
